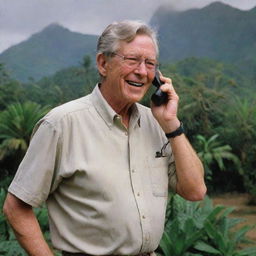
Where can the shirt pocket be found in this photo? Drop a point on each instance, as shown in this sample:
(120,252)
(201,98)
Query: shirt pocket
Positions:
(158,170)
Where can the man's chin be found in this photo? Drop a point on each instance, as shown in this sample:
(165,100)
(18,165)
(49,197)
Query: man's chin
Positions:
(135,94)
(136,98)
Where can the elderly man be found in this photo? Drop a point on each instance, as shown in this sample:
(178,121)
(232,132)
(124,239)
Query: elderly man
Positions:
(93,160)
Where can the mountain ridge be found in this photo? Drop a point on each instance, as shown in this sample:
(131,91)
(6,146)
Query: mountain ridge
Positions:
(217,31)
(47,51)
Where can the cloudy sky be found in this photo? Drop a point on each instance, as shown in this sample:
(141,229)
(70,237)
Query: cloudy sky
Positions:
(21,18)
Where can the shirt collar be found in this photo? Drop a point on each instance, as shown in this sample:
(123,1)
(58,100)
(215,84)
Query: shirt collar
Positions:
(107,113)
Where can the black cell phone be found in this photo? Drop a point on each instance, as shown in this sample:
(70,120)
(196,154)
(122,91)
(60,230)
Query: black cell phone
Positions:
(159,97)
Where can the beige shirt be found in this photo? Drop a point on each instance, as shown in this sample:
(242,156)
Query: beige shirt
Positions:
(105,190)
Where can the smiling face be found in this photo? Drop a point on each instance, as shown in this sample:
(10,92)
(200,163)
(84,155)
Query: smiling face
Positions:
(123,83)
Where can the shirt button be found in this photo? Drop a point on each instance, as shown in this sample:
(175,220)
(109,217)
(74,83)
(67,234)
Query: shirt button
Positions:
(138,194)
(126,133)
(133,170)
(143,217)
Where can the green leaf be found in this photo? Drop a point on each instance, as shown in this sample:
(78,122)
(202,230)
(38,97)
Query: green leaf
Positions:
(248,252)
(166,245)
(202,246)
(216,236)
(212,216)
(240,234)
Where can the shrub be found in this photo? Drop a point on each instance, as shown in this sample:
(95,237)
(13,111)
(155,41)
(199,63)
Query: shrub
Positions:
(199,228)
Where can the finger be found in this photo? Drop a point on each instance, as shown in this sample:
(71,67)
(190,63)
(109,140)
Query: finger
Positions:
(167,80)
(167,87)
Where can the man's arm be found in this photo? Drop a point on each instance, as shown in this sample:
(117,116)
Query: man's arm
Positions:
(26,227)
(189,169)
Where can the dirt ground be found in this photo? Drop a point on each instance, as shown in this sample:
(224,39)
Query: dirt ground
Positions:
(242,209)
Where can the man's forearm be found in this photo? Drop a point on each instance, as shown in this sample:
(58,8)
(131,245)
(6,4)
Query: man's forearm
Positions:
(190,173)
(26,227)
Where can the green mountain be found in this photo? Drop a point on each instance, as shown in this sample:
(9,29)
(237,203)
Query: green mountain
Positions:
(48,51)
(217,31)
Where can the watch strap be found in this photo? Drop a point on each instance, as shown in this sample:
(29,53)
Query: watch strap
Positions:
(177,132)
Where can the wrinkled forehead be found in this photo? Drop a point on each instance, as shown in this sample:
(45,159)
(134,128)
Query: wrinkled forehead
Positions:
(141,45)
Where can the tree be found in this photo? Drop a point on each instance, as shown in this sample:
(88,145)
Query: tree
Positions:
(200,108)
(10,89)
(87,62)
(240,131)
(16,125)
(211,150)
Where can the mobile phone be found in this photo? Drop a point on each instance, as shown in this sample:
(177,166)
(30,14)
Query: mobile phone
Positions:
(159,97)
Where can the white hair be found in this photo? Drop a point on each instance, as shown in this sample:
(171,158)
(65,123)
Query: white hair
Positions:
(127,30)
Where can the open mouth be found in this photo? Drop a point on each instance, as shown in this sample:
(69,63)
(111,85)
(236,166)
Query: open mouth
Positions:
(135,84)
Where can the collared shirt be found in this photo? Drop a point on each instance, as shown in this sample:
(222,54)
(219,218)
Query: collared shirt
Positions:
(105,189)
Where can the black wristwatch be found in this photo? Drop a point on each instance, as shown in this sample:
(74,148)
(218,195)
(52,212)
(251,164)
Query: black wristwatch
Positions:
(175,133)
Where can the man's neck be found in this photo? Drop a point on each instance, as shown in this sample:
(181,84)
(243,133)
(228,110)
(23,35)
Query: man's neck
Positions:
(122,109)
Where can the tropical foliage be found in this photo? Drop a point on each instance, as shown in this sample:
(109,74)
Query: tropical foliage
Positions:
(200,229)
(211,151)
(217,107)
(16,124)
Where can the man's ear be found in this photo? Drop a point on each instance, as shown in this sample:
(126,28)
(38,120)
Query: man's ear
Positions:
(102,63)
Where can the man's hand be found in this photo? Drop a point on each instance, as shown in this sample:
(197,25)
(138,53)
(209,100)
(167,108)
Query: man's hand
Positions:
(166,114)
(189,169)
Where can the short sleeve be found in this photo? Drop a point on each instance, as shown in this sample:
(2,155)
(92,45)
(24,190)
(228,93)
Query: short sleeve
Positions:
(34,177)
